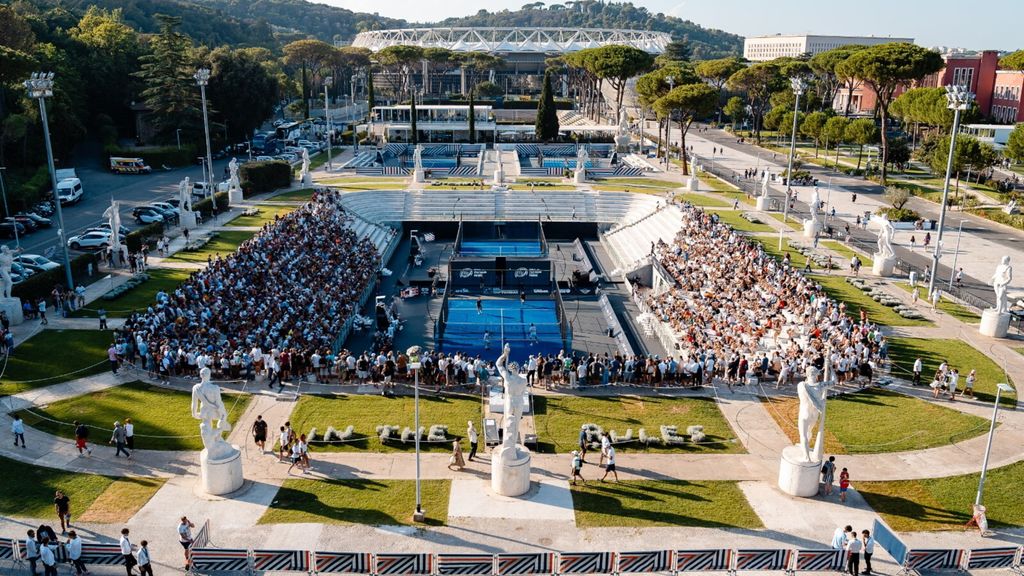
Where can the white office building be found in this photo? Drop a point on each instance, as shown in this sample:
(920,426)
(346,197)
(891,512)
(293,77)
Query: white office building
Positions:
(763,48)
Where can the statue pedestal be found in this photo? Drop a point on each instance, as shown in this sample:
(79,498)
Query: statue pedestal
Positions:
(418,177)
(811,228)
(797,476)
(12,306)
(188,220)
(235,196)
(622,142)
(882,267)
(305,179)
(693,183)
(510,471)
(761,204)
(994,324)
(580,177)
(221,476)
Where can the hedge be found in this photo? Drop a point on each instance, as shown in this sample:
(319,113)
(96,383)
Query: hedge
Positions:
(157,156)
(41,284)
(205,206)
(258,177)
(135,238)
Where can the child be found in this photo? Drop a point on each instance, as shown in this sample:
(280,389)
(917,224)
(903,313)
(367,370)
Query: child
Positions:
(844,484)
(577,466)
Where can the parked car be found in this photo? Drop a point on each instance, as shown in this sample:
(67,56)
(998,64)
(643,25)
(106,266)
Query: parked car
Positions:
(264,158)
(22,270)
(90,240)
(7,229)
(201,189)
(36,261)
(170,214)
(28,223)
(105,227)
(287,157)
(147,215)
(41,221)
(173,208)
(70,191)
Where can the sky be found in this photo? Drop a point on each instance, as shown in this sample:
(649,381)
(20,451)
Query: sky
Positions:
(993,24)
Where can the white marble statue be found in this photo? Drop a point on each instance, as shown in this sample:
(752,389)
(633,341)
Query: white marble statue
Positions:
(582,158)
(233,183)
(6,261)
(886,233)
(185,195)
(1000,282)
(623,122)
(515,389)
(113,215)
(812,394)
(417,157)
(815,204)
(305,163)
(1011,207)
(764,185)
(208,408)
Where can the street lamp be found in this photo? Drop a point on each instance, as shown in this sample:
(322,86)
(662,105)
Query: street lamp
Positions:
(414,363)
(202,77)
(799,85)
(177,135)
(40,87)
(958,99)
(327,119)
(671,80)
(1000,387)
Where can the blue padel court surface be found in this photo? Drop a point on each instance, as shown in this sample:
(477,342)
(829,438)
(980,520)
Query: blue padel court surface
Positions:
(526,248)
(465,327)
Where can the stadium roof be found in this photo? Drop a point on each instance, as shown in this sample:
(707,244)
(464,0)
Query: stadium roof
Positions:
(513,40)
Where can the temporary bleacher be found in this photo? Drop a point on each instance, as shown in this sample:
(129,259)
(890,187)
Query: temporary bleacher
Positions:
(631,243)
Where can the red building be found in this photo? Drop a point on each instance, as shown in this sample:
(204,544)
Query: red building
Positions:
(1007,104)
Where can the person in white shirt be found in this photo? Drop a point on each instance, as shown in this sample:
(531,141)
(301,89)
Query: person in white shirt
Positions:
(853,548)
(48,558)
(474,438)
(606,443)
(185,538)
(869,549)
(126,551)
(74,549)
(918,367)
(18,429)
(145,565)
(31,550)
(129,433)
(611,464)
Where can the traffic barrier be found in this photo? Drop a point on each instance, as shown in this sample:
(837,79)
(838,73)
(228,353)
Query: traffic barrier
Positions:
(586,562)
(343,562)
(282,560)
(465,564)
(647,562)
(703,560)
(933,560)
(1004,557)
(202,538)
(818,560)
(404,564)
(7,548)
(220,559)
(102,554)
(762,560)
(515,564)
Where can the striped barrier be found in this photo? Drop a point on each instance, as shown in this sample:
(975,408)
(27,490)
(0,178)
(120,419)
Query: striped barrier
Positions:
(513,564)
(465,564)
(703,560)
(343,562)
(102,554)
(7,548)
(1004,557)
(648,562)
(762,560)
(586,562)
(818,560)
(220,559)
(202,538)
(933,560)
(282,560)
(404,564)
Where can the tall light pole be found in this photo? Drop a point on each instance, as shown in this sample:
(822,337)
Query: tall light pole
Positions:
(202,77)
(671,80)
(327,119)
(14,222)
(414,363)
(40,87)
(958,99)
(799,85)
(1000,387)
(956,253)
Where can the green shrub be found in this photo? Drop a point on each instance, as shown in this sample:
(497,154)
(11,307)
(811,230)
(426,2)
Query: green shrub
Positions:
(900,214)
(258,177)
(136,238)
(157,156)
(41,284)
(205,206)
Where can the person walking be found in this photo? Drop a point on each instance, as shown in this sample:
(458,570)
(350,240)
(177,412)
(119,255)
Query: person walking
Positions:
(853,548)
(869,550)
(82,438)
(62,506)
(32,551)
(474,439)
(74,549)
(606,443)
(576,468)
(126,551)
(129,434)
(145,564)
(610,467)
(102,313)
(119,439)
(18,429)
(583,443)
(112,357)
(844,484)
(456,460)
(48,558)
(259,433)
(185,539)
(918,368)
(828,474)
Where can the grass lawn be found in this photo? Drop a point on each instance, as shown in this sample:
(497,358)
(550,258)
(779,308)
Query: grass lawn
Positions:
(644,503)
(961,313)
(300,195)
(54,356)
(945,503)
(541,188)
(366,412)
(734,219)
(703,200)
(621,183)
(856,300)
(846,252)
(959,354)
(794,222)
(154,411)
(558,420)
(138,298)
(222,244)
(771,246)
(27,491)
(897,422)
(266,213)
(373,502)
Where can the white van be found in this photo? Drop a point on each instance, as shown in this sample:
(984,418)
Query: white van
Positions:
(69,191)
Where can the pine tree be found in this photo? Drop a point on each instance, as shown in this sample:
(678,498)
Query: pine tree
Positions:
(371,101)
(472,118)
(546,125)
(170,92)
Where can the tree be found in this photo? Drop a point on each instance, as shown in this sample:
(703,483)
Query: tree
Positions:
(861,132)
(1015,144)
(487,89)
(886,67)
(896,197)
(472,118)
(371,99)
(110,54)
(245,92)
(309,56)
(675,51)
(825,66)
(617,64)
(546,126)
(1013,61)
(653,85)
(414,133)
(440,61)
(899,152)
(970,153)
(166,71)
(736,110)
(717,73)
(759,81)
(686,103)
(835,131)
(813,126)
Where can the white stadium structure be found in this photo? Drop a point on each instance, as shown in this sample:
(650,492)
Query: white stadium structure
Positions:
(547,41)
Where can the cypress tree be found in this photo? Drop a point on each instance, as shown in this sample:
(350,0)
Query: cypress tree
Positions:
(472,119)
(413,135)
(546,125)
(370,100)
